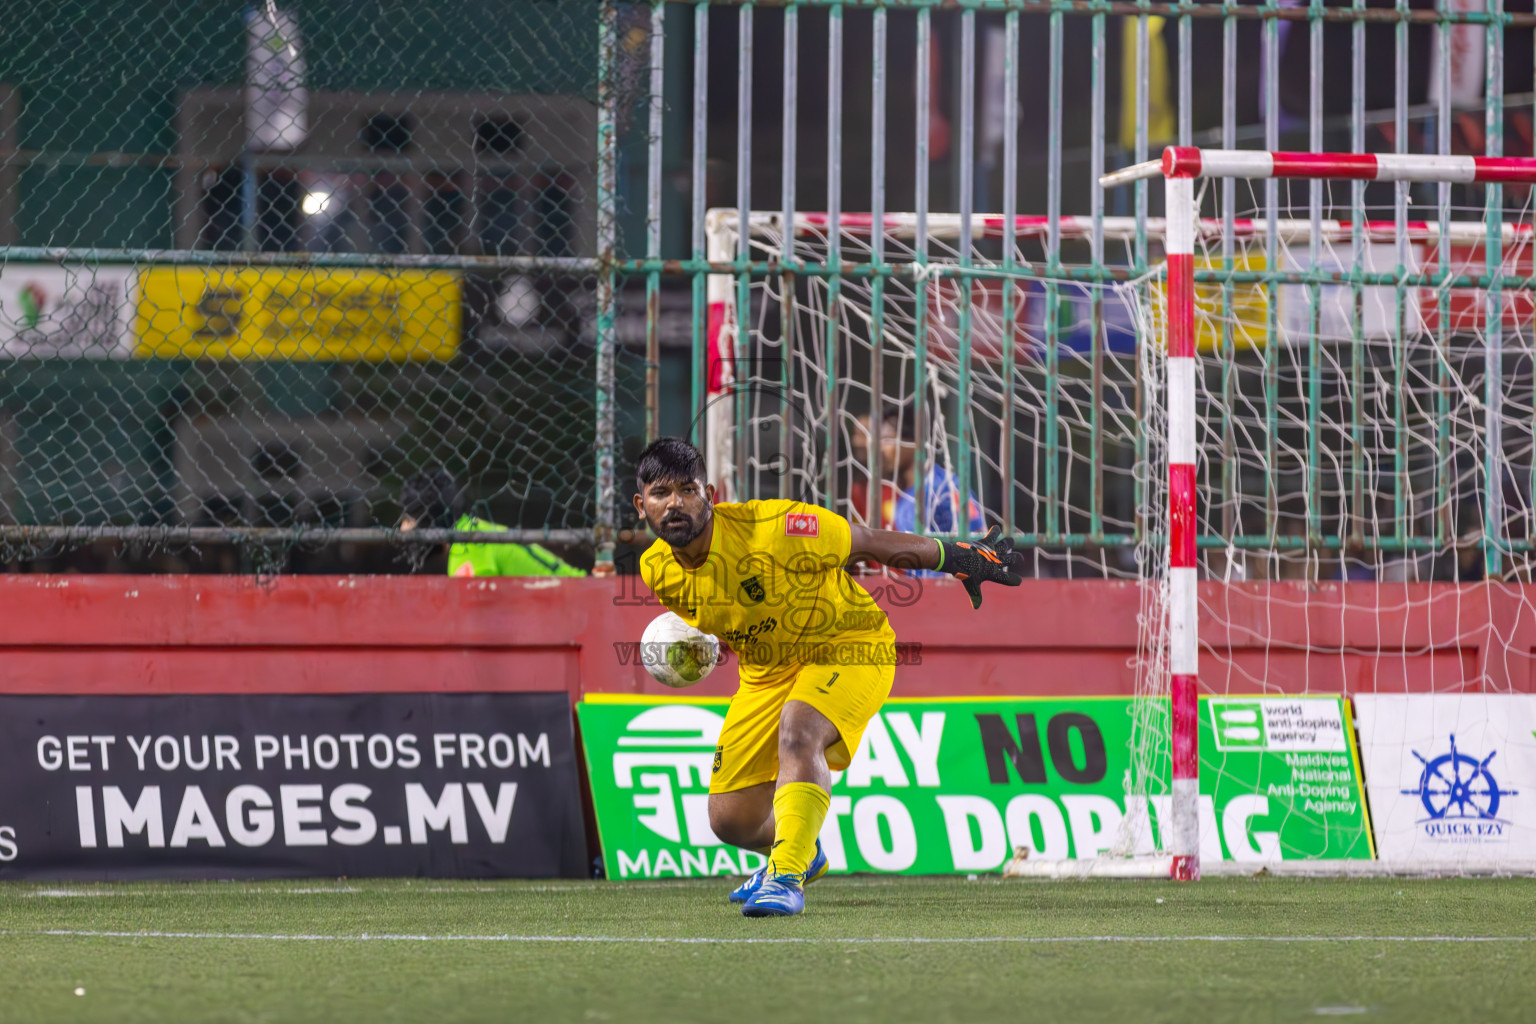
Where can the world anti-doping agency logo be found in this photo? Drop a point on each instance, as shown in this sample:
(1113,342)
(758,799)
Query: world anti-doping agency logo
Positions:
(1302,723)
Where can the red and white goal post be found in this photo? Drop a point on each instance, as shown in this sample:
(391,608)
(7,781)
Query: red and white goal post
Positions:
(1179,167)
(970,345)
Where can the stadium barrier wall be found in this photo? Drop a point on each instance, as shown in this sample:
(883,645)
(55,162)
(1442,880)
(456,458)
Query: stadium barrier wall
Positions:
(303,634)
(172,638)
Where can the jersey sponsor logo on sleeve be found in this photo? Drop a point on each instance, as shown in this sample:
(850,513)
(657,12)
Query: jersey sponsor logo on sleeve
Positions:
(802,524)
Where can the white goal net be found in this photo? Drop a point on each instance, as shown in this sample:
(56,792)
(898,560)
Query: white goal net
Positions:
(1347,430)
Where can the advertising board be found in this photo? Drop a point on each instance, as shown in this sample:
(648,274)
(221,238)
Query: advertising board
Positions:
(955,785)
(249,786)
(315,313)
(1451,777)
(77,311)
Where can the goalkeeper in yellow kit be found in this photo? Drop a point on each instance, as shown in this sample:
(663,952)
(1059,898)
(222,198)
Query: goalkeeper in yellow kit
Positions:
(817,656)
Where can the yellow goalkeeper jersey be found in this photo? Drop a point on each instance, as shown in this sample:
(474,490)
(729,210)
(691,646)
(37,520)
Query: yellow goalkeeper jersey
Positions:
(774,589)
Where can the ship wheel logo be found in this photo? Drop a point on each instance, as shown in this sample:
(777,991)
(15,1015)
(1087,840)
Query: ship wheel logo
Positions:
(1457,785)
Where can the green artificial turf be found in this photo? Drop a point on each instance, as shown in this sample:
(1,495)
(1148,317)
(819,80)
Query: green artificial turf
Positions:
(868,949)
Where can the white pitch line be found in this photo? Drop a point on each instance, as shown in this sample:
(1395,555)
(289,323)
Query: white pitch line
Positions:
(270,890)
(76,893)
(790,940)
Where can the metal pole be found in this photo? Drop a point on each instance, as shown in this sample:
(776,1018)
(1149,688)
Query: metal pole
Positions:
(1444,527)
(1052,291)
(1493,333)
(967,201)
(834,243)
(1271,293)
(1314,292)
(1096,131)
(1186,79)
(700,353)
(1143,112)
(607,227)
(1010,242)
(744,486)
(1356,525)
(877,257)
(1231,479)
(1139,246)
(920,257)
(248,201)
(653,223)
(1183,528)
(1096,263)
(1400,199)
(788,306)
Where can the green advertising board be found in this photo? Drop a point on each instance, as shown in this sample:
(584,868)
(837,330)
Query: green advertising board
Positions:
(942,786)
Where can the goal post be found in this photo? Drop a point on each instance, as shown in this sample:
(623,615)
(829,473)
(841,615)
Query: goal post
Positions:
(1183,602)
(1180,167)
(1228,406)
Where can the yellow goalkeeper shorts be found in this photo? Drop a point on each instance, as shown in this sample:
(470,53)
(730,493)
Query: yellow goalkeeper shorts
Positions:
(849,695)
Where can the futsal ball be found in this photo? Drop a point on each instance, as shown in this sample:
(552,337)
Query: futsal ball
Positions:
(675,653)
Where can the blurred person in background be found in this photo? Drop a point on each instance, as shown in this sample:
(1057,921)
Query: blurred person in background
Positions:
(898,463)
(433,500)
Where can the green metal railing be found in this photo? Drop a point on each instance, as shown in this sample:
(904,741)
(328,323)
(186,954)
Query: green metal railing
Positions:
(592,139)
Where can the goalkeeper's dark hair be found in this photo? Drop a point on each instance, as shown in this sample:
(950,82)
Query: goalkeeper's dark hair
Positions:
(670,459)
(433,499)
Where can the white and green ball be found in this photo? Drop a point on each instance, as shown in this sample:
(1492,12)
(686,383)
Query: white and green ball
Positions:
(677,654)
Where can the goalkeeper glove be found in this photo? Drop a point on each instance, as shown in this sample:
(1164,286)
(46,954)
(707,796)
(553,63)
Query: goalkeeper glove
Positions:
(989,560)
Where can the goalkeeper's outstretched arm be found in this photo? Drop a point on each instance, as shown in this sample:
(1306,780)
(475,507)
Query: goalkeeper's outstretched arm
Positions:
(989,560)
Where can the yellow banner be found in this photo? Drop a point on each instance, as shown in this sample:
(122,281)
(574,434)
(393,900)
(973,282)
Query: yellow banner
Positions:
(1248,315)
(308,314)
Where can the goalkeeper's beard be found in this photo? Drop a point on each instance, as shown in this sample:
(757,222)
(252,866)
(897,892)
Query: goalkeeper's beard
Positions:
(681,529)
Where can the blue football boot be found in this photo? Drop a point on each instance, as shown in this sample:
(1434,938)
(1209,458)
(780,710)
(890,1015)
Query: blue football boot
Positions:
(744,891)
(779,896)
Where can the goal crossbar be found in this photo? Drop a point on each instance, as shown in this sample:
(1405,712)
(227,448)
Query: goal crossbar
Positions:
(1191,162)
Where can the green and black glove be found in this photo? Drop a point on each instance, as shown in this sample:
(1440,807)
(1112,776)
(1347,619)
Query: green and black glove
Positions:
(989,560)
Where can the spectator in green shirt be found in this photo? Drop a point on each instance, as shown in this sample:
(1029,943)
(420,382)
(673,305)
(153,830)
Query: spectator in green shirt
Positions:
(432,500)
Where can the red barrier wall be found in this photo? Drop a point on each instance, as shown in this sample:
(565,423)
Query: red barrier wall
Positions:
(219,634)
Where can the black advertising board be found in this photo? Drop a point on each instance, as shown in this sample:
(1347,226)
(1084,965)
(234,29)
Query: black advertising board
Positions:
(252,786)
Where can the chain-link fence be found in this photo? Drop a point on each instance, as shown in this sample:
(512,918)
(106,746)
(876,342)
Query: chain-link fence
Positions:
(262,263)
